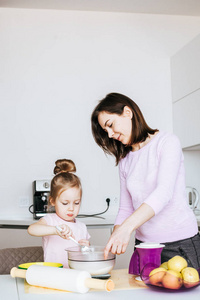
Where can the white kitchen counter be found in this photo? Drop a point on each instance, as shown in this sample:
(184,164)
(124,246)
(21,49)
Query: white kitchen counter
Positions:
(23,221)
(108,221)
(11,288)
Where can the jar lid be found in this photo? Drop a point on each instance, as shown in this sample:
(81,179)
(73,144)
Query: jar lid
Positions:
(150,245)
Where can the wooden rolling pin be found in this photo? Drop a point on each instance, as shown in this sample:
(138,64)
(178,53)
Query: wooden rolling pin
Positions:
(61,279)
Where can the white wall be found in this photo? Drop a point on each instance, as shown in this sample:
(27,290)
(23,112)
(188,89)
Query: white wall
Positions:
(55,66)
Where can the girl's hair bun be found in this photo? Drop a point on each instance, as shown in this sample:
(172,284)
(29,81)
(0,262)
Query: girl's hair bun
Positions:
(64,165)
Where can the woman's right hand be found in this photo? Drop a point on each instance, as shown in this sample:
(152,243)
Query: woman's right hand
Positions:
(118,241)
(120,237)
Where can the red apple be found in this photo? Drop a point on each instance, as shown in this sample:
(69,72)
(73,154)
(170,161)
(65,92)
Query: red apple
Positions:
(172,280)
(156,276)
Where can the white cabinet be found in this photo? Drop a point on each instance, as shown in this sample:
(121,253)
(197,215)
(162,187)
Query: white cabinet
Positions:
(185,70)
(185,76)
(13,238)
(186,120)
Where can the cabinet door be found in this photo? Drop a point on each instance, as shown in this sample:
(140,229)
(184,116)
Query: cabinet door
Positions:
(13,238)
(185,70)
(186,120)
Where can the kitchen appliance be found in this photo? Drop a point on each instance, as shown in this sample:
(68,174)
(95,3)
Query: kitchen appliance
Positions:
(145,253)
(41,191)
(92,260)
(193,197)
(61,279)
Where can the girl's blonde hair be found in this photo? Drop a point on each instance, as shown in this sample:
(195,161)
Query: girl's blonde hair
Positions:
(63,179)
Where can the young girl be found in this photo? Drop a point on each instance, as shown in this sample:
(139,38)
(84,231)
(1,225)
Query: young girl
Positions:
(65,196)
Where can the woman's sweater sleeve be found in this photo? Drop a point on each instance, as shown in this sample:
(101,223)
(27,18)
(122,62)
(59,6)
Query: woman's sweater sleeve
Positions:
(170,157)
(126,205)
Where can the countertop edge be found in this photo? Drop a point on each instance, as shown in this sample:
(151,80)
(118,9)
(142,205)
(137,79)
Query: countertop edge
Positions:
(26,221)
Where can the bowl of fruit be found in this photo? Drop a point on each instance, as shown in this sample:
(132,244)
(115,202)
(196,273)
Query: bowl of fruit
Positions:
(174,274)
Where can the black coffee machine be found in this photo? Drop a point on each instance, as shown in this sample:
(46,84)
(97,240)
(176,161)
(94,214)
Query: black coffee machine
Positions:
(41,191)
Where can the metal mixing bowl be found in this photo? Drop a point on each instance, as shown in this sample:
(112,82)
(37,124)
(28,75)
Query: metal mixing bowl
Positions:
(91,260)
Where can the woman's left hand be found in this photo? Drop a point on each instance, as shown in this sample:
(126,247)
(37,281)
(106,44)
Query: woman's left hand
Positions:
(118,241)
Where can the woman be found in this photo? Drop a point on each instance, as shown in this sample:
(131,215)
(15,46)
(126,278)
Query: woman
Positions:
(152,181)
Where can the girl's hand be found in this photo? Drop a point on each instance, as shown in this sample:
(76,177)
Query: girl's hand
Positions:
(118,241)
(84,243)
(66,231)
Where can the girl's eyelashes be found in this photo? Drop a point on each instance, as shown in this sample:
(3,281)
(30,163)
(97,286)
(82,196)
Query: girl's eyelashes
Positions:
(66,203)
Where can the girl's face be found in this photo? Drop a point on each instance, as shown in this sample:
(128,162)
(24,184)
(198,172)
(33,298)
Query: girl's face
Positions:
(67,205)
(118,127)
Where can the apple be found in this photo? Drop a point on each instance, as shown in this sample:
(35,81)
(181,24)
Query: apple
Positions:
(177,263)
(156,276)
(190,277)
(164,265)
(172,280)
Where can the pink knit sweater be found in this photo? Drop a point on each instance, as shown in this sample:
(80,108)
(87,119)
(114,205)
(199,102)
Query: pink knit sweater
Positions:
(155,175)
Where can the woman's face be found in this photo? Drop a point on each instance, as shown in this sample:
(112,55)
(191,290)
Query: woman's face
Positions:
(118,127)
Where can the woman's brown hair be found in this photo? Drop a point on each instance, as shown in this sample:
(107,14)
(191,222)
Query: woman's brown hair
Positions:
(63,179)
(114,103)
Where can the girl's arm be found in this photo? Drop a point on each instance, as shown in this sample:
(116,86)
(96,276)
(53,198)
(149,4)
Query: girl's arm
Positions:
(41,228)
